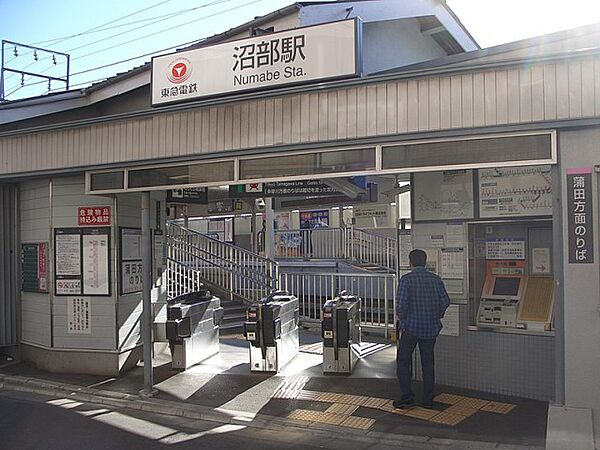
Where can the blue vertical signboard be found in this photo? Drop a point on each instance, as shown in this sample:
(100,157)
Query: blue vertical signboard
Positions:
(580,218)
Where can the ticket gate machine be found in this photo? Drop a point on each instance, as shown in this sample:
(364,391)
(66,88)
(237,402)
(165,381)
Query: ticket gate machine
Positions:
(271,330)
(340,327)
(193,328)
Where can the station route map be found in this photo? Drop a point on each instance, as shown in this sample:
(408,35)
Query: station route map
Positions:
(444,195)
(515,191)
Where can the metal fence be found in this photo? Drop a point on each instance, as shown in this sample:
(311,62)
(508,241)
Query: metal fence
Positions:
(350,243)
(377,293)
(319,243)
(194,258)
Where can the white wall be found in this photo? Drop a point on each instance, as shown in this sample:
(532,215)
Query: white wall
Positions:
(129,306)
(68,194)
(395,43)
(581,148)
(35,227)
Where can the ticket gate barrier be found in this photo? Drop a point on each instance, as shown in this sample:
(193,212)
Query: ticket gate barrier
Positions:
(341,332)
(193,327)
(271,329)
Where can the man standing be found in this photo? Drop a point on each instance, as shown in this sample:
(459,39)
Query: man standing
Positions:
(421,302)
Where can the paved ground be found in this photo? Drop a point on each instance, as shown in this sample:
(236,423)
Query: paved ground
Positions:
(224,383)
(33,421)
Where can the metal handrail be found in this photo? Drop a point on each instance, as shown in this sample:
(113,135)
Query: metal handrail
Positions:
(194,258)
(370,248)
(376,291)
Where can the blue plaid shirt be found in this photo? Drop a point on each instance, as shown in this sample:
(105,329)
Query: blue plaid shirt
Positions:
(421,302)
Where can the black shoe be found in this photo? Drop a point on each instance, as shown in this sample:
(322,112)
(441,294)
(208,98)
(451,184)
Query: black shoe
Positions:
(427,405)
(403,404)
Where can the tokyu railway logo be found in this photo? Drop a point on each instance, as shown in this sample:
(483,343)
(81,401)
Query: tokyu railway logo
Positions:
(179,70)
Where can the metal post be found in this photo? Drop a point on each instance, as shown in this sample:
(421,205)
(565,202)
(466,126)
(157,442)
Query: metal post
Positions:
(559,292)
(2,73)
(269,235)
(146,300)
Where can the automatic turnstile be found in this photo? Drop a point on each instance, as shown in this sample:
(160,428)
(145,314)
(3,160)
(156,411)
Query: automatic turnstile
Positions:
(193,328)
(271,330)
(340,327)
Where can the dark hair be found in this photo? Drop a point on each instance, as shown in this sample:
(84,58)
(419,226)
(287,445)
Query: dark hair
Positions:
(417,257)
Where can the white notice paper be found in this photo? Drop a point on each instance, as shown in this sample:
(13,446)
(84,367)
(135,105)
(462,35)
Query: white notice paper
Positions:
(68,256)
(541,261)
(455,235)
(453,263)
(437,240)
(451,322)
(131,244)
(78,315)
(95,264)
(406,246)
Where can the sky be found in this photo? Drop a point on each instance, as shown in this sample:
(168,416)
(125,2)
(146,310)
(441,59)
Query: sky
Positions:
(102,33)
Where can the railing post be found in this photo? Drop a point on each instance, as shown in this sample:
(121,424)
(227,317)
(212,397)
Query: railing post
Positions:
(232,265)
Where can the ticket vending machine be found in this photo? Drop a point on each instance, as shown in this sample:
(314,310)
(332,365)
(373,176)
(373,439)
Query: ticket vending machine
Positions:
(500,300)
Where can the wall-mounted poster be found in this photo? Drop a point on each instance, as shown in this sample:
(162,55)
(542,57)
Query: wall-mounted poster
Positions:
(95,264)
(314,219)
(515,191)
(79,315)
(443,195)
(34,267)
(130,244)
(282,220)
(82,261)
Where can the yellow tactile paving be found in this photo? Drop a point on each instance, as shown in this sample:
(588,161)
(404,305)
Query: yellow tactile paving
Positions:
(290,394)
(498,407)
(361,423)
(446,418)
(331,397)
(340,408)
(449,399)
(421,413)
(357,400)
(387,407)
(461,410)
(375,403)
(344,405)
(470,402)
(309,395)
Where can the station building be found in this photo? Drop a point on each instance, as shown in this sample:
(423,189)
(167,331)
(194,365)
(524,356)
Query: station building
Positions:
(310,150)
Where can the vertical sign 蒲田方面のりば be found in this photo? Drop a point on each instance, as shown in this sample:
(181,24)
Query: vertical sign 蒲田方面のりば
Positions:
(579,213)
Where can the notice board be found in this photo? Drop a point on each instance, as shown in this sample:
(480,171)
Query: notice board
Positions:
(82,261)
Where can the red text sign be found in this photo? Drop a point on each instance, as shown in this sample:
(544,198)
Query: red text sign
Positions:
(93,216)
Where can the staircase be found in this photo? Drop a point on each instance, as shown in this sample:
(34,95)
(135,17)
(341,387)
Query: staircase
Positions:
(239,276)
(234,274)
(365,250)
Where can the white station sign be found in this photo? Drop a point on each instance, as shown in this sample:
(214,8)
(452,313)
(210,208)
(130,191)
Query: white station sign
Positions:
(296,56)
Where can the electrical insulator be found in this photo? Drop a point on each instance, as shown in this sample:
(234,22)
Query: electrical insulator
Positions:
(54,59)
(35,56)
(22,80)
(16,52)
(49,85)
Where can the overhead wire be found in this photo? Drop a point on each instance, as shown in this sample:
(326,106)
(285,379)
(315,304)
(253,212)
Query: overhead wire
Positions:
(212,3)
(143,55)
(66,38)
(160,19)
